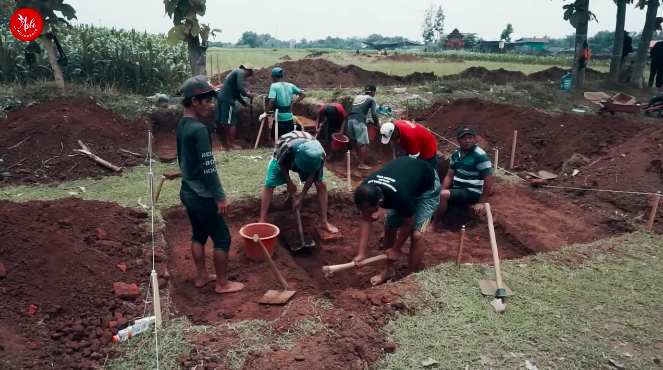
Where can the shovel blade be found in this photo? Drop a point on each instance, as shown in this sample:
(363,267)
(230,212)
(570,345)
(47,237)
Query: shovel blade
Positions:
(489,287)
(277,296)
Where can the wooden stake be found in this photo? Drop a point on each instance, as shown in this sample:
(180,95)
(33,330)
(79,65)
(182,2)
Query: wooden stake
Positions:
(276,127)
(460,246)
(156,301)
(497,157)
(85,150)
(349,176)
(513,149)
(652,214)
(159,185)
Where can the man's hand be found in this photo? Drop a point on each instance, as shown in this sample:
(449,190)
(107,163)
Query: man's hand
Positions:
(291,188)
(478,208)
(250,95)
(262,116)
(359,259)
(393,254)
(222,206)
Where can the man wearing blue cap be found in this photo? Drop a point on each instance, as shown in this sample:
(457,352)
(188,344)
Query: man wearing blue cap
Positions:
(280,97)
(201,191)
(300,152)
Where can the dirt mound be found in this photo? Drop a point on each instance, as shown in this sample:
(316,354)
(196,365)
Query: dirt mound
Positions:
(61,259)
(38,142)
(498,76)
(316,54)
(590,136)
(285,57)
(404,58)
(321,72)
(556,73)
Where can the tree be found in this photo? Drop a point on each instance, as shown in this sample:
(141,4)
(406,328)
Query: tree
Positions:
(648,31)
(7,9)
(618,45)
(47,9)
(470,40)
(428,26)
(438,24)
(506,34)
(186,28)
(250,39)
(578,15)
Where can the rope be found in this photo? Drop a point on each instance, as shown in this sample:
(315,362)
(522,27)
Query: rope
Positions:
(602,190)
(150,181)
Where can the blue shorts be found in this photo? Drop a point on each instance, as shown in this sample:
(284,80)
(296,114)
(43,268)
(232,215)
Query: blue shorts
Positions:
(358,131)
(275,177)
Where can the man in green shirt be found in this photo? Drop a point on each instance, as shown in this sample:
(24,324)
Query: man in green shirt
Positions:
(201,191)
(363,112)
(280,97)
(233,90)
(469,180)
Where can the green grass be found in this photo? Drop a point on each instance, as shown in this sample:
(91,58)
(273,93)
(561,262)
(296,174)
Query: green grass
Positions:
(564,315)
(223,59)
(242,175)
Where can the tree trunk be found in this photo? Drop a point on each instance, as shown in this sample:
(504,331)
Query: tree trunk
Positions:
(197,57)
(616,62)
(57,72)
(578,75)
(647,33)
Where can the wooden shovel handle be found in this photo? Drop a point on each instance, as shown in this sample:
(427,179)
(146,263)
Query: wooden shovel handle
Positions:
(262,124)
(327,270)
(493,245)
(276,272)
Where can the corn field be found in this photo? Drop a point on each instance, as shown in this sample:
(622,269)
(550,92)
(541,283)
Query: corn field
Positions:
(141,63)
(561,61)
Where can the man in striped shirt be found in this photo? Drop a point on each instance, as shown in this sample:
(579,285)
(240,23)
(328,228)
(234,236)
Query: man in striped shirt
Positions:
(469,179)
(300,152)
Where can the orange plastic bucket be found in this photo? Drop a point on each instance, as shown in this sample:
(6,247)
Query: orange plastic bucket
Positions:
(372,132)
(339,141)
(267,234)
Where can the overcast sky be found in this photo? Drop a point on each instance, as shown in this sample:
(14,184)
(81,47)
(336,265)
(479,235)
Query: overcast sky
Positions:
(296,19)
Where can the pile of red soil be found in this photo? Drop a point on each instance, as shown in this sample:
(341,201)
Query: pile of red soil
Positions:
(57,303)
(498,77)
(404,58)
(38,142)
(556,73)
(321,72)
(285,57)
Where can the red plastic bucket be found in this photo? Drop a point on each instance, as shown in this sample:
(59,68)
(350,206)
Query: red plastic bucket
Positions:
(339,141)
(372,132)
(266,232)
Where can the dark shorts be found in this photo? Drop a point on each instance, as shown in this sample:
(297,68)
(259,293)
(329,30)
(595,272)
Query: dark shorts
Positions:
(227,114)
(284,128)
(206,222)
(432,161)
(463,197)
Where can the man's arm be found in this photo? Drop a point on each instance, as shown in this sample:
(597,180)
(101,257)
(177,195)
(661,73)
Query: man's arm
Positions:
(412,145)
(208,165)
(271,100)
(365,228)
(487,190)
(307,184)
(300,94)
(374,112)
(241,89)
(448,179)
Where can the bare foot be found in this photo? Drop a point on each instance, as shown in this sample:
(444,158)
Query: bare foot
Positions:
(229,287)
(364,167)
(388,273)
(329,227)
(204,281)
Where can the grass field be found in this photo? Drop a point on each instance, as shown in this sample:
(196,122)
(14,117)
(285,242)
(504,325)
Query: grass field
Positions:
(223,59)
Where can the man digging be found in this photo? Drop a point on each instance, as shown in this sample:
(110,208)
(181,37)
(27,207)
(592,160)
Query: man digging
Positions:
(280,97)
(233,90)
(414,139)
(201,191)
(333,116)
(358,121)
(469,180)
(300,152)
(409,189)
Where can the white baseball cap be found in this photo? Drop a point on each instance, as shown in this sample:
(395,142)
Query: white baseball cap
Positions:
(387,129)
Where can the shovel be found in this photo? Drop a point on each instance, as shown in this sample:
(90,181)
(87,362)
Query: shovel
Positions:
(274,296)
(495,288)
(301,233)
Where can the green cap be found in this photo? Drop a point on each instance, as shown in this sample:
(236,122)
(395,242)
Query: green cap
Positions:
(277,72)
(196,86)
(308,156)
(464,130)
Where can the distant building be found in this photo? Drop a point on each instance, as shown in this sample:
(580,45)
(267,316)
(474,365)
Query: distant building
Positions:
(455,40)
(530,45)
(293,42)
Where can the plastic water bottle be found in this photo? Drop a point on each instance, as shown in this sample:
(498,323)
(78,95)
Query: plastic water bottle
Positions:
(566,82)
(138,327)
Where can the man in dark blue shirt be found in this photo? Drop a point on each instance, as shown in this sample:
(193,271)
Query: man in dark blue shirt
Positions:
(201,191)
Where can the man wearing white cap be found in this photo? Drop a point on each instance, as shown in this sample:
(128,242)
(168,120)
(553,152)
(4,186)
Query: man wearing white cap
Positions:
(414,139)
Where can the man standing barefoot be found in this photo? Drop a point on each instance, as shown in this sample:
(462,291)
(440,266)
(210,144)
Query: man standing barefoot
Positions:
(201,191)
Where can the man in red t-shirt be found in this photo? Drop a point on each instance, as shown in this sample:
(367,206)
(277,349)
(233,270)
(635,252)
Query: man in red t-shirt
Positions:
(415,139)
(333,115)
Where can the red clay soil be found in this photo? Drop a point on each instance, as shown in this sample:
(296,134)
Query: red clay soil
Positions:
(38,142)
(62,257)
(498,76)
(285,57)
(321,72)
(555,74)
(526,222)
